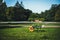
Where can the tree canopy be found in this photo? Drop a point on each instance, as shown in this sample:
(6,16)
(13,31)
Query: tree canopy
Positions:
(19,13)
(53,14)
(14,13)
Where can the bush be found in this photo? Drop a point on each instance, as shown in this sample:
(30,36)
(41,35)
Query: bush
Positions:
(37,26)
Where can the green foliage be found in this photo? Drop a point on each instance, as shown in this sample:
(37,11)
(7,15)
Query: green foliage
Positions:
(3,11)
(57,14)
(37,26)
(41,19)
(31,19)
(52,14)
(1,1)
(34,16)
(15,13)
(19,13)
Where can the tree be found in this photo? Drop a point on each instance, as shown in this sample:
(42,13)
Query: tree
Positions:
(27,13)
(52,14)
(14,13)
(17,5)
(10,13)
(3,11)
(57,14)
(1,1)
(20,14)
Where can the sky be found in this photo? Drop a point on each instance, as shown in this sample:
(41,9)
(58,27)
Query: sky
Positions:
(36,6)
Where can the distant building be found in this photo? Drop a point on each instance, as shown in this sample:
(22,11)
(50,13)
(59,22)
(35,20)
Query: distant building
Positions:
(36,20)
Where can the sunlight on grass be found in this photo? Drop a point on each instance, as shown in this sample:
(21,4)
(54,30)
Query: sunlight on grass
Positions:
(25,34)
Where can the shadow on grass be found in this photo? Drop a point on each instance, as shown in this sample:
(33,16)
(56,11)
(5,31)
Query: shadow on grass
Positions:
(44,37)
(40,30)
(57,33)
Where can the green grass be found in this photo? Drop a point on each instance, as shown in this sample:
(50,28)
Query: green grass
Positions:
(24,34)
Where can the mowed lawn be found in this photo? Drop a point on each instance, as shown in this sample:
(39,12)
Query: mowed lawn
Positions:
(24,34)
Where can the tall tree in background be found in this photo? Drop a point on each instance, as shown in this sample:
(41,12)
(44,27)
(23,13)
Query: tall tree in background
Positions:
(10,13)
(21,14)
(3,7)
(15,13)
(57,14)
(52,14)
(1,1)
(0,9)
(18,12)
